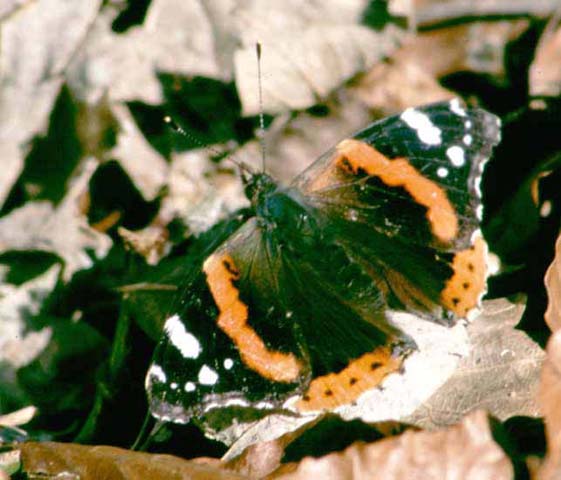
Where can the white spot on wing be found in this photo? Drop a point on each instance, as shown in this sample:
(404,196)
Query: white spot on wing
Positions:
(457,107)
(467,124)
(422,124)
(190,387)
(207,376)
(546,208)
(173,385)
(442,172)
(232,402)
(155,372)
(180,338)
(456,155)
(468,139)
(228,363)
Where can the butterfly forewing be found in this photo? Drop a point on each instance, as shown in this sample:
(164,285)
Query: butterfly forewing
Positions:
(231,344)
(426,162)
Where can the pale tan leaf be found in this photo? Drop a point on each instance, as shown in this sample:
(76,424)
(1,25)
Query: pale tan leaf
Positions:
(465,451)
(176,36)
(553,289)
(144,165)
(37,42)
(545,71)
(550,396)
(305,65)
(18,347)
(19,417)
(500,375)
(308,50)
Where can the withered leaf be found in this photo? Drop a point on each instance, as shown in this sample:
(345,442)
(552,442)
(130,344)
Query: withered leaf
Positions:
(553,288)
(500,375)
(545,74)
(550,393)
(112,463)
(463,451)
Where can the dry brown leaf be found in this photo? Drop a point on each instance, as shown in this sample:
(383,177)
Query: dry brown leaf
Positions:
(411,77)
(259,460)
(500,375)
(396,85)
(550,396)
(465,451)
(37,42)
(545,71)
(430,12)
(553,288)
(112,463)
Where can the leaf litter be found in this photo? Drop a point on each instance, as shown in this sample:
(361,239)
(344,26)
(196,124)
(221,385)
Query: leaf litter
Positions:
(500,372)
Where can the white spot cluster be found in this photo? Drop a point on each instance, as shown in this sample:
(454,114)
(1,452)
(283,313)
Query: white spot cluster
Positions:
(207,376)
(456,155)
(180,338)
(420,122)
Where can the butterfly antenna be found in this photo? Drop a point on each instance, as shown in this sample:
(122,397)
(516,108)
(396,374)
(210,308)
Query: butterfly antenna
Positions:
(261,133)
(177,128)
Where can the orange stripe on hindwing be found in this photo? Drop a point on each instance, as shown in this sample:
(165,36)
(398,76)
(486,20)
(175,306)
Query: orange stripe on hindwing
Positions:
(221,272)
(336,389)
(355,155)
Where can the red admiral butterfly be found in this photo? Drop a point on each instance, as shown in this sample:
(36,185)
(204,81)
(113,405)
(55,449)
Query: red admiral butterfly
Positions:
(291,309)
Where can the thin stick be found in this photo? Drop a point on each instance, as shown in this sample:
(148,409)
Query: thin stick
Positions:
(261,116)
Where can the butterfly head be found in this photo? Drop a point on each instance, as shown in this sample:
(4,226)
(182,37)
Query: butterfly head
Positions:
(257,186)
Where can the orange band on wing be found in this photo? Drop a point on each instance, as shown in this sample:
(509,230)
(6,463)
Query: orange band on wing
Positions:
(355,155)
(464,289)
(220,273)
(336,389)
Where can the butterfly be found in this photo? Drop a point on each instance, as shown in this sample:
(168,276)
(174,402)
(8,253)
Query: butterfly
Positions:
(290,308)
